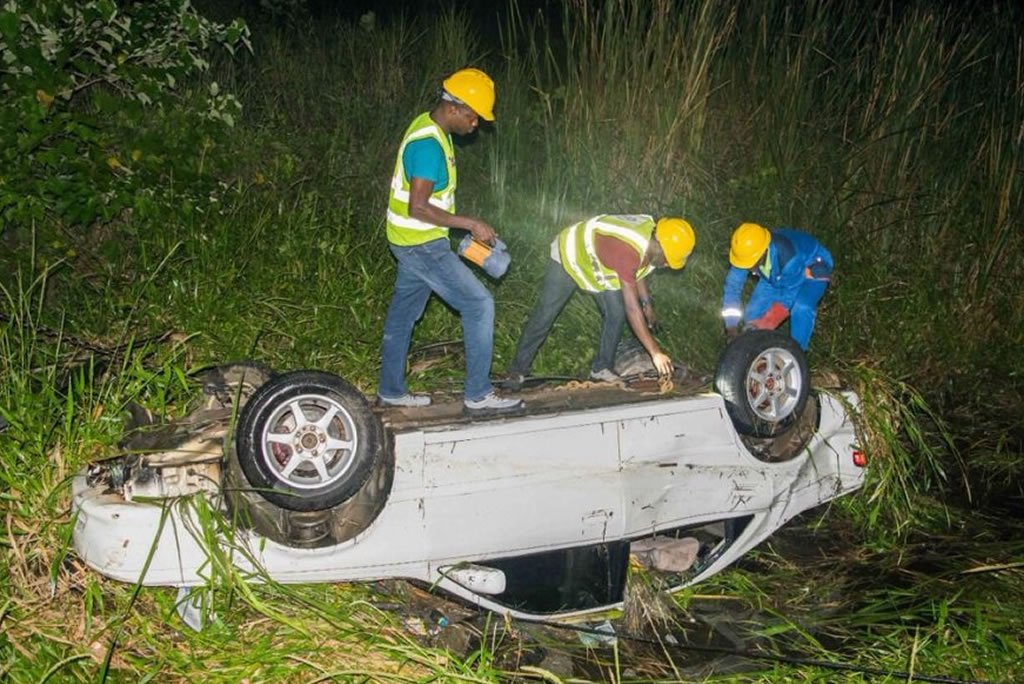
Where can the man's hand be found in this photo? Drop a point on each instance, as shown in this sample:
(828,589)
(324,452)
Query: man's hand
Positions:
(662,363)
(482,231)
(421,208)
(732,333)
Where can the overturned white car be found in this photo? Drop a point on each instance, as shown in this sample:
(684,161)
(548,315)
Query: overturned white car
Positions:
(532,515)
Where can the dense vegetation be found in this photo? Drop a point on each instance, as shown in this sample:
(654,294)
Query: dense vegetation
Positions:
(173,195)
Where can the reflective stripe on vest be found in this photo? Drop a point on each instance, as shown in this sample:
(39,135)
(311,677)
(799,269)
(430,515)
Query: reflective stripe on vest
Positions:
(403,229)
(576,246)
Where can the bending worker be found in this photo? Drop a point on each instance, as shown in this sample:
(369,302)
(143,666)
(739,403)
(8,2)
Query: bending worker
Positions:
(421,209)
(793,271)
(608,256)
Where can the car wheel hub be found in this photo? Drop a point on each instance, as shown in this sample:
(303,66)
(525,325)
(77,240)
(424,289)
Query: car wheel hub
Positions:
(773,384)
(309,442)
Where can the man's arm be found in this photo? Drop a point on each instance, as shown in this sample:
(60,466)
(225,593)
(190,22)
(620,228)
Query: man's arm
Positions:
(647,304)
(732,299)
(420,208)
(635,316)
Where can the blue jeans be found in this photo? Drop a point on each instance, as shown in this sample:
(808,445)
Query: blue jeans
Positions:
(423,269)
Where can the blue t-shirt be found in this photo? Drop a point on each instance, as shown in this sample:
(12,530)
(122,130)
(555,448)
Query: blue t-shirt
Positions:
(424,159)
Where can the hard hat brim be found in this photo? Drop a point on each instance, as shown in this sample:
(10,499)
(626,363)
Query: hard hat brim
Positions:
(675,264)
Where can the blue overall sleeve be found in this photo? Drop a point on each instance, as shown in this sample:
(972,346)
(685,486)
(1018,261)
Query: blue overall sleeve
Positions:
(732,297)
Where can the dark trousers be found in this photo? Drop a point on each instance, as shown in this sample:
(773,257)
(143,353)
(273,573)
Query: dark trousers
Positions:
(558,290)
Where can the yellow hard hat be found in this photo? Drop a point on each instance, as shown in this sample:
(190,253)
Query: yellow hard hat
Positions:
(475,89)
(749,242)
(676,238)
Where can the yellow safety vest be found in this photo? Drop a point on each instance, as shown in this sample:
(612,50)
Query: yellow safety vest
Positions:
(403,230)
(578,252)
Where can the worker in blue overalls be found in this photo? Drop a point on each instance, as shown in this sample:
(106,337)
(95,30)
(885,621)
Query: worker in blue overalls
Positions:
(793,271)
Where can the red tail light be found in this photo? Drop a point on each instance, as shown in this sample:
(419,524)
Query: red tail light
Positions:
(860,459)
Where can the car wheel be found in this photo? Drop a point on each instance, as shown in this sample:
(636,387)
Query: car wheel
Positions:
(763,376)
(307,441)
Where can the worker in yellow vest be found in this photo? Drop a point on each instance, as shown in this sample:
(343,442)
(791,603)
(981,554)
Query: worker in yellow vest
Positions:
(608,256)
(421,209)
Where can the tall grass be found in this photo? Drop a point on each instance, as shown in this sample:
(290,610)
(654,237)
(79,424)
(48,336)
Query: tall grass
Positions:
(61,397)
(912,455)
(620,91)
(894,136)
(940,607)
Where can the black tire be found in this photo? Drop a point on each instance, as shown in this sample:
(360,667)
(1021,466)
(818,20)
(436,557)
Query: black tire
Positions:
(295,460)
(306,529)
(764,379)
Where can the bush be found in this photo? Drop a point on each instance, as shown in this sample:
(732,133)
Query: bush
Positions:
(90,122)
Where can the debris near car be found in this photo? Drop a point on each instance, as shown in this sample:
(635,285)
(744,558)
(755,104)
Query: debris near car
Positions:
(534,515)
(164,460)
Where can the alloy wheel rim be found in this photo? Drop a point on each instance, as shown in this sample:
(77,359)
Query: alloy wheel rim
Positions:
(773,384)
(309,441)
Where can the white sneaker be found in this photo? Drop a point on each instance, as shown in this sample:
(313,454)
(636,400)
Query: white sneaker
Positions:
(492,402)
(605,375)
(407,400)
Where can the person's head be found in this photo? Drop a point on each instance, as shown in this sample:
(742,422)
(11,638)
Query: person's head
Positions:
(749,245)
(673,242)
(467,96)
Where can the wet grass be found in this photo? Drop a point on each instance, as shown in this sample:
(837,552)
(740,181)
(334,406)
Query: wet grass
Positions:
(895,138)
(937,608)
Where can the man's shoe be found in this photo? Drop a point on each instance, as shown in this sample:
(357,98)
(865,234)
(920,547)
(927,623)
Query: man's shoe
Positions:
(407,400)
(605,375)
(492,403)
(512,381)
